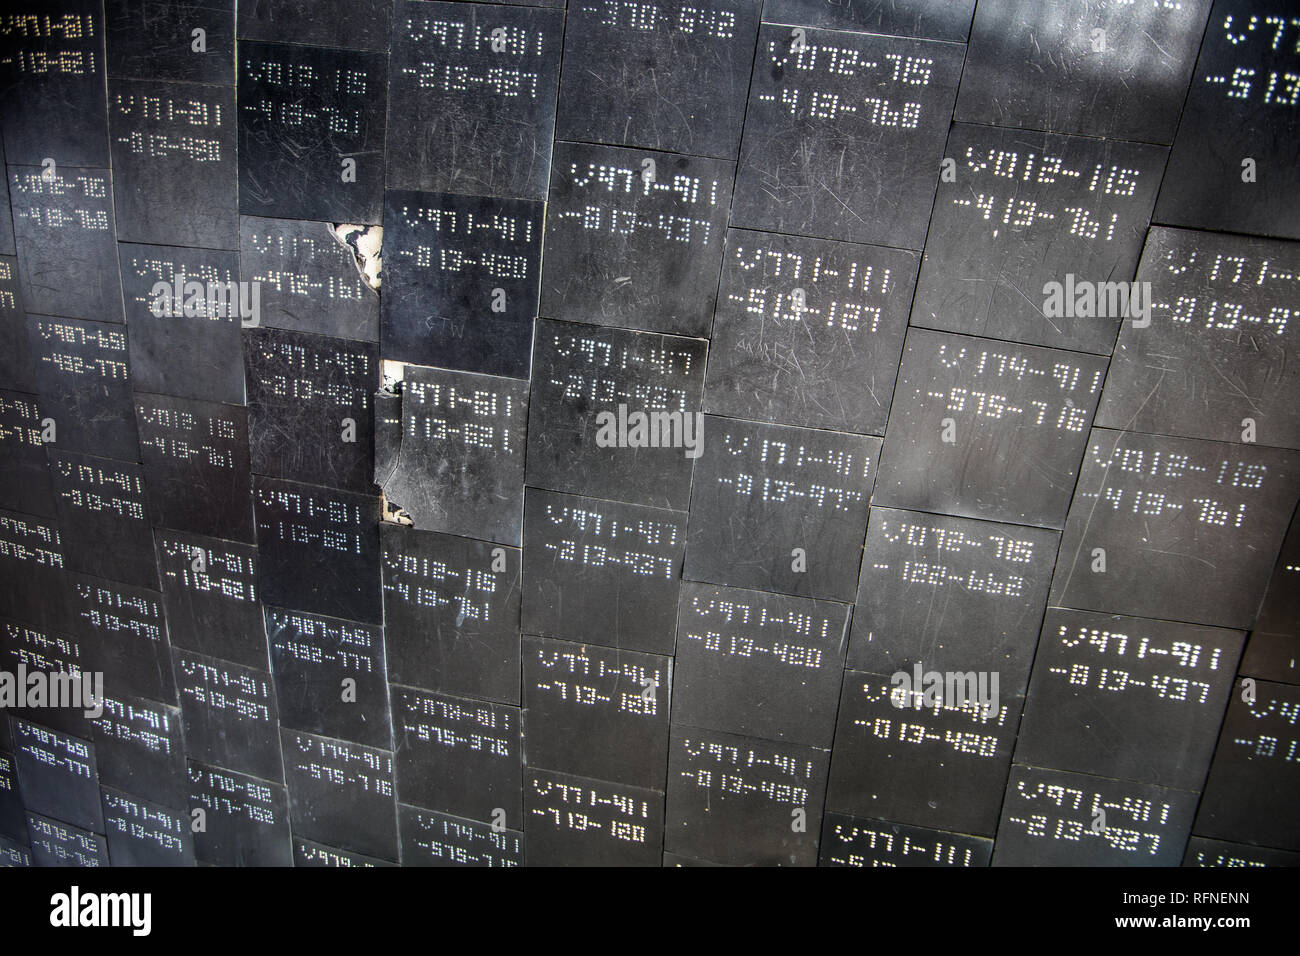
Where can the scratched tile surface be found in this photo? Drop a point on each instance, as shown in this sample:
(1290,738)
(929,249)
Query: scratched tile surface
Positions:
(579,432)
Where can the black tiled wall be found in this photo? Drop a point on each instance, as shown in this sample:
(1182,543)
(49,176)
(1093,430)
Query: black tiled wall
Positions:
(365,581)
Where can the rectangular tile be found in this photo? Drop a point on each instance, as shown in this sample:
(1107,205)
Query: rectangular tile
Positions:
(615,414)
(576,821)
(329,676)
(460,465)
(1052,818)
(1025,224)
(808,331)
(176,172)
(596,711)
(743,801)
(311,128)
(760,664)
(472,110)
(230,713)
(634,238)
(985,429)
(932,756)
(1126,697)
(341,792)
(460,284)
(245,821)
(601,572)
(672,76)
(1147,510)
(842,134)
(780,508)
(1074,67)
(451,613)
(1245,82)
(318,549)
(209,590)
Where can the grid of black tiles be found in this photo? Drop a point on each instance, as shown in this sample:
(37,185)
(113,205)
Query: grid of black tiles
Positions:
(537,433)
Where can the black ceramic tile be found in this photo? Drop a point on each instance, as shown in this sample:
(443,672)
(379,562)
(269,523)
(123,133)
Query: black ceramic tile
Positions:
(13,823)
(329,676)
(1217,340)
(1273,652)
(140,833)
(57,774)
(780,508)
(951,594)
(176,173)
(209,590)
(318,549)
(311,132)
(1126,697)
(52,75)
(319,390)
(460,464)
(147,39)
(54,843)
(16,364)
(472,96)
(677,860)
(669,76)
(32,561)
(123,633)
(64,231)
(460,286)
(341,792)
(388,432)
(808,331)
(634,237)
(1053,818)
(575,821)
(357,26)
(1118,70)
(1233,163)
(743,801)
(439,839)
(596,711)
(245,821)
(307,279)
(195,457)
(1203,852)
(937,761)
(310,853)
(1254,774)
(24,650)
(844,133)
(230,714)
(84,386)
(102,504)
(24,469)
(7,246)
(601,572)
(615,414)
(459,755)
(1027,226)
(850,841)
(1151,511)
(184,310)
(141,750)
(985,429)
(451,613)
(765,665)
